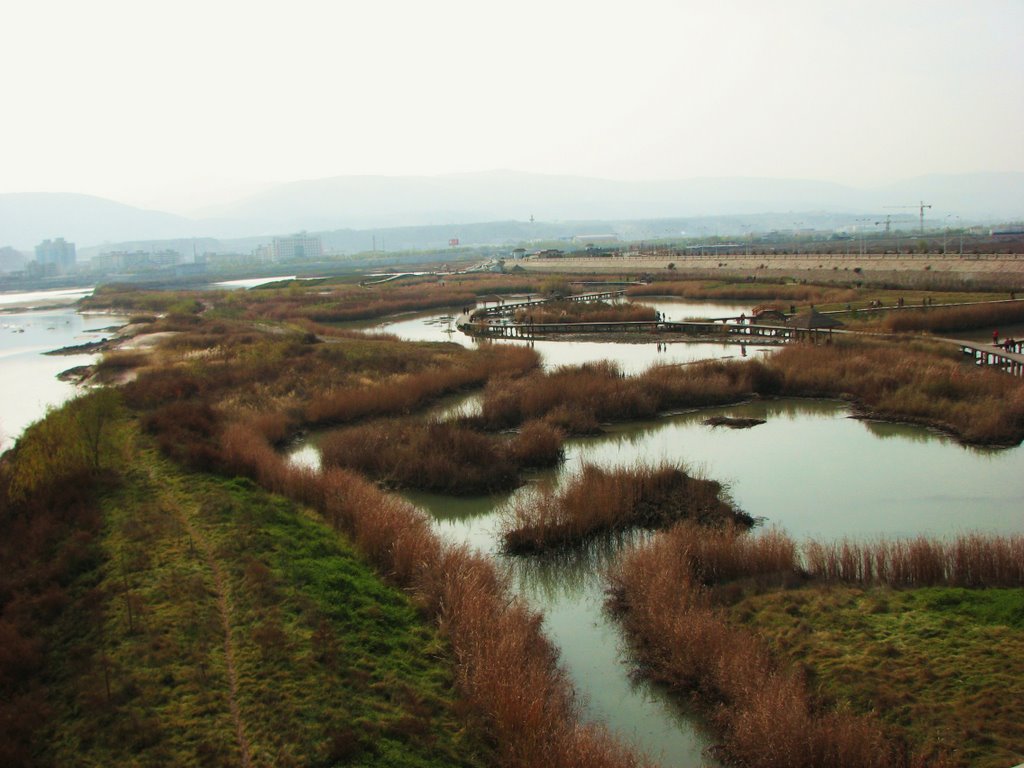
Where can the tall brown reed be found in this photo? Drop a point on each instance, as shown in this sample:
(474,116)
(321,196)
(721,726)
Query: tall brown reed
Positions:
(506,668)
(577,398)
(406,392)
(970,560)
(434,456)
(585,312)
(759,291)
(766,712)
(948,319)
(909,382)
(596,500)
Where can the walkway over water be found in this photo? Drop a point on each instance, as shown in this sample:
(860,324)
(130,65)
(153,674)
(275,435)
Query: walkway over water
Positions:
(706,330)
(505,308)
(493,322)
(1006,356)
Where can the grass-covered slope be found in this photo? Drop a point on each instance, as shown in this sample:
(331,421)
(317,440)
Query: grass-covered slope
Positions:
(938,664)
(226,626)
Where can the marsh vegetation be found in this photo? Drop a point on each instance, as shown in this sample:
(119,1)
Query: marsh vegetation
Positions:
(244,374)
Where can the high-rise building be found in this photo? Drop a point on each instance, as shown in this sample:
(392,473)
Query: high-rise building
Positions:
(56,255)
(300,246)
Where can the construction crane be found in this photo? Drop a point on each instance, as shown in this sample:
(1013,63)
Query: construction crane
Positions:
(887,222)
(920,206)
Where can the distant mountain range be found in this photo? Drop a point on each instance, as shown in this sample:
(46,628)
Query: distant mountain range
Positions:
(377,202)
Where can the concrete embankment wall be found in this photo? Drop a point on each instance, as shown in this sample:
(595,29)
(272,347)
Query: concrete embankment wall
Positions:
(918,270)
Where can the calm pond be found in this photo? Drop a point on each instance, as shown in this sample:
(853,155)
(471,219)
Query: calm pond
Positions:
(810,469)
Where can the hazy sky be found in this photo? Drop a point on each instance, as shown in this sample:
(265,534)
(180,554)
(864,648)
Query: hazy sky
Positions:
(179,104)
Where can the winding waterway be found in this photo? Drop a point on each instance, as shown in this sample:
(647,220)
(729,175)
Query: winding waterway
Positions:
(811,469)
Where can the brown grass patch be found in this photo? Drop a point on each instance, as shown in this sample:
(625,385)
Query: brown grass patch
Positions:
(766,712)
(950,319)
(596,501)
(967,561)
(917,382)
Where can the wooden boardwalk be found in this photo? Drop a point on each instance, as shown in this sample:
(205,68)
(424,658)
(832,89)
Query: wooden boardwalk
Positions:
(1006,356)
(698,330)
(502,307)
(494,322)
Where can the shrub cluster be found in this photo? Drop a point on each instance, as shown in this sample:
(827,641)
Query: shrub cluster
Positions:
(435,456)
(49,483)
(596,500)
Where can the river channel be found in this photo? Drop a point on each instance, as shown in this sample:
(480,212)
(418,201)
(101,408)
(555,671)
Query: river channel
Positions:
(811,470)
(31,324)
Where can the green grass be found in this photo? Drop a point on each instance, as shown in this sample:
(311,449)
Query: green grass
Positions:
(333,666)
(942,667)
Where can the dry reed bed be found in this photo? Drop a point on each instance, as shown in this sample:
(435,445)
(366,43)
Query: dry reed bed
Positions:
(595,501)
(405,393)
(505,668)
(443,457)
(666,592)
(765,712)
(970,560)
(319,383)
(916,382)
(945,320)
(329,302)
(577,399)
(585,312)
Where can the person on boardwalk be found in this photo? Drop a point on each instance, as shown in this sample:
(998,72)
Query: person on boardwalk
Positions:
(995,336)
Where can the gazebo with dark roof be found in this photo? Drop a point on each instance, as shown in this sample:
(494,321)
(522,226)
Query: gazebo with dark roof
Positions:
(813,321)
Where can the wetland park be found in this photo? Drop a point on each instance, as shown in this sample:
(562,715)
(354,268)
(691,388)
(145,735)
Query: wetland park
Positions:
(322,522)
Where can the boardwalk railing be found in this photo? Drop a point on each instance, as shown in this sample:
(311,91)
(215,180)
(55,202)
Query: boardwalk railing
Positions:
(709,331)
(1006,356)
(505,308)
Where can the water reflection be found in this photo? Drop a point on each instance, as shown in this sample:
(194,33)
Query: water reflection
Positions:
(570,571)
(885,430)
